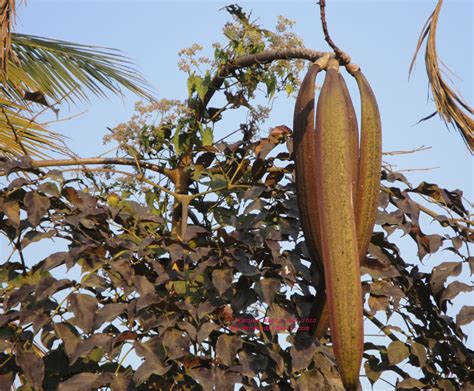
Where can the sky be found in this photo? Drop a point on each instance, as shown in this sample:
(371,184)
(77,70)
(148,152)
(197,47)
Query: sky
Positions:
(379,35)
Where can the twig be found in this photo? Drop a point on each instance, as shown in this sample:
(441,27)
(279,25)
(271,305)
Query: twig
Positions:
(419,169)
(109,170)
(342,56)
(381,326)
(102,161)
(392,153)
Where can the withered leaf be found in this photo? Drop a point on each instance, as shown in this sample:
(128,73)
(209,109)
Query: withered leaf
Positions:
(227,347)
(108,313)
(177,343)
(465,315)
(222,279)
(81,382)
(148,368)
(410,384)
(32,365)
(442,272)
(206,329)
(70,338)
(84,308)
(454,289)
(12,211)
(122,383)
(267,288)
(87,345)
(397,351)
(36,206)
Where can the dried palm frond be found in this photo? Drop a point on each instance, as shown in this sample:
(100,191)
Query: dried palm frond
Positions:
(7,19)
(449,104)
(20,135)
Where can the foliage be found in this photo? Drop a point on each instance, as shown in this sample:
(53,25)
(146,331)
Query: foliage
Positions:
(212,302)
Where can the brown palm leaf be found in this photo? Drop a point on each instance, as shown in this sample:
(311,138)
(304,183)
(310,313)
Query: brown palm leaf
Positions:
(449,103)
(22,135)
(7,18)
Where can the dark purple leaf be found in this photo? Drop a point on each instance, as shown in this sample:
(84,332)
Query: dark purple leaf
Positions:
(301,357)
(81,382)
(84,308)
(454,289)
(148,368)
(222,279)
(144,287)
(123,383)
(86,346)
(205,330)
(36,206)
(176,343)
(267,288)
(125,270)
(70,338)
(108,313)
(441,273)
(32,365)
(465,316)
(227,347)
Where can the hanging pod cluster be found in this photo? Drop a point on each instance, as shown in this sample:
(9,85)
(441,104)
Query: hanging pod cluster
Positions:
(337,187)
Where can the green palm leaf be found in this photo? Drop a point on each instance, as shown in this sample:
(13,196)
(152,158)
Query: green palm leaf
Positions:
(65,69)
(61,71)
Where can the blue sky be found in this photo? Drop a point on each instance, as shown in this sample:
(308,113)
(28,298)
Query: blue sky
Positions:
(380,36)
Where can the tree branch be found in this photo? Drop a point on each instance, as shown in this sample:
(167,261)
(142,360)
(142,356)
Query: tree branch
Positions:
(343,57)
(106,160)
(264,57)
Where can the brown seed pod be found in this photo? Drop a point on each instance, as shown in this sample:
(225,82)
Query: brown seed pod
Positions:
(370,164)
(340,250)
(304,149)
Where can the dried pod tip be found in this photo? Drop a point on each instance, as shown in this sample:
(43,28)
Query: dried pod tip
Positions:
(323,61)
(333,64)
(352,68)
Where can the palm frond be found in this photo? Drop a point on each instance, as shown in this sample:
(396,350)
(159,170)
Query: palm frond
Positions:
(449,103)
(20,135)
(60,68)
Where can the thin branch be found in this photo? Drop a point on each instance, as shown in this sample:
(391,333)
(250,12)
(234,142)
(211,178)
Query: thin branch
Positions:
(109,170)
(419,149)
(381,326)
(436,216)
(102,161)
(342,56)
(419,169)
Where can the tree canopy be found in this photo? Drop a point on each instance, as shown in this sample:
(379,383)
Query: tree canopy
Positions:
(192,271)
